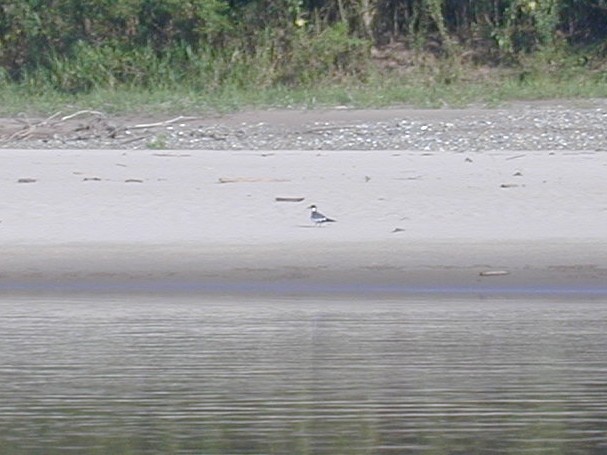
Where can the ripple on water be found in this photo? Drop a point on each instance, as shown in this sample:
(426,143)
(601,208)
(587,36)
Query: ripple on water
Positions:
(188,376)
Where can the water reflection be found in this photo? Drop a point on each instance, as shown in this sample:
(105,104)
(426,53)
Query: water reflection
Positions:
(148,376)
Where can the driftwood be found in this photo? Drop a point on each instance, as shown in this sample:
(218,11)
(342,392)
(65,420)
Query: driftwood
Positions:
(289,199)
(172,155)
(27,131)
(79,113)
(157,124)
(494,273)
(95,127)
(52,121)
(250,180)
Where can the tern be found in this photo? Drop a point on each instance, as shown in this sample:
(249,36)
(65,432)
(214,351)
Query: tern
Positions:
(318,218)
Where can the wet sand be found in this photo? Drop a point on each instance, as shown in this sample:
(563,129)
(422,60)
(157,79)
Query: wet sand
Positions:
(366,270)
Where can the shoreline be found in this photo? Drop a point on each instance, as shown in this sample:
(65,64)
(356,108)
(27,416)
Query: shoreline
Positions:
(371,270)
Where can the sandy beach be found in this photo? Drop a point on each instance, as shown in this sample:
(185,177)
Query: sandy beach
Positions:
(237,221)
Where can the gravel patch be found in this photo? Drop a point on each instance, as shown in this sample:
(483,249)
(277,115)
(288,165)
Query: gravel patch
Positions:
(532,126)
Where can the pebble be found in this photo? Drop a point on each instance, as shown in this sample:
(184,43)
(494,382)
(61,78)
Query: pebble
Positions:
(514,128)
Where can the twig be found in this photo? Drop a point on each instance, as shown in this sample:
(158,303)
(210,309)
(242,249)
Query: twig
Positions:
(515,157)
(324,129)
(288,199)
(250,180)
(135,139)
(166,122)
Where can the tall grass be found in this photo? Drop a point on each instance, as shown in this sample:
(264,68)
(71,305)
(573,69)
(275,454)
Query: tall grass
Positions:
(217,55)
(420,88)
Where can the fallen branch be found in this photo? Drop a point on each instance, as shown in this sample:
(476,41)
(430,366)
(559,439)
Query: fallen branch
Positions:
(27,131)
(45,122)
(79,113)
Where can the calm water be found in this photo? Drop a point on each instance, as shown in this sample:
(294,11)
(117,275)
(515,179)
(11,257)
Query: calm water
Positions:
(146,376)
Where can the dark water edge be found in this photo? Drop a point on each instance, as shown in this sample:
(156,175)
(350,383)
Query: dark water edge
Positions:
(285,289)
(437,375)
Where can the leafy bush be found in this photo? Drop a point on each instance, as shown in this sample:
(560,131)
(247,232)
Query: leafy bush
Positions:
(79,45)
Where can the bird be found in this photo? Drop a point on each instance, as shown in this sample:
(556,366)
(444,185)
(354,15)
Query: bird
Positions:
(318,218)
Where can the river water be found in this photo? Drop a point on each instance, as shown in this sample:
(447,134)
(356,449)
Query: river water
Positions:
(143,375)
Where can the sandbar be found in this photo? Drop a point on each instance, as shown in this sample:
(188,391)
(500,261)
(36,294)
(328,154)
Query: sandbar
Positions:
(236,222)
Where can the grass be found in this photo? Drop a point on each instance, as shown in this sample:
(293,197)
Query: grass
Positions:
(425,88)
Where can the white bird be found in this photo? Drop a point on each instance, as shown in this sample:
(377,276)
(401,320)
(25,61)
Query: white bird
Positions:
(318,218)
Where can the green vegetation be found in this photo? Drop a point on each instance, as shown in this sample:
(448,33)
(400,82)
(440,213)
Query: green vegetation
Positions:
(192,55)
